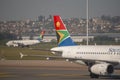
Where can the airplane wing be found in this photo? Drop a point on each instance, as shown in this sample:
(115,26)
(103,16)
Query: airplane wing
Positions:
(48,57)
(42,56)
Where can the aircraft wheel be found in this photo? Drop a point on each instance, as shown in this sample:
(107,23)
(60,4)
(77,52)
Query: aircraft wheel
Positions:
(92,75)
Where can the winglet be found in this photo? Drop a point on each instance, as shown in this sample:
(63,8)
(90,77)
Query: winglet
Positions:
(63,36)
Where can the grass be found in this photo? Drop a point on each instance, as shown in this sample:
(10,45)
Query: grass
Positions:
(12,53)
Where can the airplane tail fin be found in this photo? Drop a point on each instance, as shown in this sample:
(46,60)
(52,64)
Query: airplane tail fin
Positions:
(41,35)
(63,36)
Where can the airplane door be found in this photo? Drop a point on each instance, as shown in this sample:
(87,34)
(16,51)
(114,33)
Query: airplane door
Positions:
(67,54)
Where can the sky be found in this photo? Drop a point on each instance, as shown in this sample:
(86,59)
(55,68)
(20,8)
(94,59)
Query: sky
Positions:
(31,9)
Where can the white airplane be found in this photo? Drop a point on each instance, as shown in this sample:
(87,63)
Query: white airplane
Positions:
(27,43)
(101,60)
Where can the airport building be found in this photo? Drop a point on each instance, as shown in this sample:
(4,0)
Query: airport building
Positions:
(50,38)
(77,38)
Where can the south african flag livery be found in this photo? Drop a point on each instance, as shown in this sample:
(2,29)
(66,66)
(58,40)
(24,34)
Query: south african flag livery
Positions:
(63,36)
(41,35)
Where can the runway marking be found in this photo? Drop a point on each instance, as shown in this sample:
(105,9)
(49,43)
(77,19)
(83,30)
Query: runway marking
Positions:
(61,75)
(6,75)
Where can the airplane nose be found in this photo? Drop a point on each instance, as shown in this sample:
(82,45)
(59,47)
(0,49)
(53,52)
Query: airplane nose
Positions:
(56,51)
(53,49)
(8,43)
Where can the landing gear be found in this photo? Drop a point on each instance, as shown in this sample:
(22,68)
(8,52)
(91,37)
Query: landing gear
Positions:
(92,75)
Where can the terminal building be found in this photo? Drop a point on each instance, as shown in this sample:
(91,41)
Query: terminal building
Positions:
(51,38)
(77,38)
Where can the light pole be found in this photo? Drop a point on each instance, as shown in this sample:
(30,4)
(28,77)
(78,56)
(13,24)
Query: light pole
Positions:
(87,21)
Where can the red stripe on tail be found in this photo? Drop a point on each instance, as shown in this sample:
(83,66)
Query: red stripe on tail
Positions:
(58,23)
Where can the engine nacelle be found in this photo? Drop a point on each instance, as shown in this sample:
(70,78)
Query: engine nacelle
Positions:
(15,45)
(102,69)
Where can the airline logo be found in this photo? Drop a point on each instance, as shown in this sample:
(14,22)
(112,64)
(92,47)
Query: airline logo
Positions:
(41,35)
(63,36)
(61,31)
(58,24)
(113,50)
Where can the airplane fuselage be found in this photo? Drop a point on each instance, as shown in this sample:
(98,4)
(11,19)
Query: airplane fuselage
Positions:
(101,60)
(22,42)
(95,53)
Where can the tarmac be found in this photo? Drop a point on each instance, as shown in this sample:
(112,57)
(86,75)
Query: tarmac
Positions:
(46,70)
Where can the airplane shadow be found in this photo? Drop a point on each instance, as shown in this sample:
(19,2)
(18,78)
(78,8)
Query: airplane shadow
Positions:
(111,77)
(108,77)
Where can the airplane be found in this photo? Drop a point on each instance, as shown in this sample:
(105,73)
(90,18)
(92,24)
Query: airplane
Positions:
(25,43)
(101,60)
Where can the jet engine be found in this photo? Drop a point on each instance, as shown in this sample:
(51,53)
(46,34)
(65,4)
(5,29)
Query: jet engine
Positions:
(102,69)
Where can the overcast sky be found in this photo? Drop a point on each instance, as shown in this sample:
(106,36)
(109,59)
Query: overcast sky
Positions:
(30,9)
